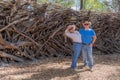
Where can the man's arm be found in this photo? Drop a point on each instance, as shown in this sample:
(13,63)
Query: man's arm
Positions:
(93,41)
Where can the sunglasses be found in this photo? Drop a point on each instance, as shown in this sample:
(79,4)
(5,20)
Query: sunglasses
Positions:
(86,24)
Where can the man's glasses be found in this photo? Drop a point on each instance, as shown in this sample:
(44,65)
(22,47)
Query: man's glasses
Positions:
(86,24)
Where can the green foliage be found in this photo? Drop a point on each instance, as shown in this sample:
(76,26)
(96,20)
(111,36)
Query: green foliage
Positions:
(97,5)
(42,1)
(94,5)
(65,3)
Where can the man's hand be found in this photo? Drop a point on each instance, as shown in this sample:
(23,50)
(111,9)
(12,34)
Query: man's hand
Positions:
(91,45)
(93,41)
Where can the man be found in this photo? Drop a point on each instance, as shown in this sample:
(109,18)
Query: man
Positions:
(75,36)
(88,40)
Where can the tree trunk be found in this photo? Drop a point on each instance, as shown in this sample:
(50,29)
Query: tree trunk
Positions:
(81,4)
(119,5)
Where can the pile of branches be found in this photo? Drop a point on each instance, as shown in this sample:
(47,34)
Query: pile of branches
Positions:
(33,31)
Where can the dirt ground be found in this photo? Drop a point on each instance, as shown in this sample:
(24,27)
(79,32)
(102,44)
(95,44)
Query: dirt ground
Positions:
(107,67)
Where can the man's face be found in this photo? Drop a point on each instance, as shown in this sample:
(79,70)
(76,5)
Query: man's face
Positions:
(86,24)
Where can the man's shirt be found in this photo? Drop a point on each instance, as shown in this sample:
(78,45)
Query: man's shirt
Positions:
(87,35)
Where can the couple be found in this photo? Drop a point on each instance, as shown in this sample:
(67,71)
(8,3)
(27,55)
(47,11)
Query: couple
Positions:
(83,40)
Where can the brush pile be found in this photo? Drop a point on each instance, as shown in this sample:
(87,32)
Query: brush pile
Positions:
(32,31)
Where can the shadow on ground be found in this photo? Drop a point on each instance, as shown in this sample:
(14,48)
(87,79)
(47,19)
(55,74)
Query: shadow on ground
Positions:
(52,73)
(110,59)
(115,76)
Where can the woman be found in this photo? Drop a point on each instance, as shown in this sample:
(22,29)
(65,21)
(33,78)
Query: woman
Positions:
(75,36)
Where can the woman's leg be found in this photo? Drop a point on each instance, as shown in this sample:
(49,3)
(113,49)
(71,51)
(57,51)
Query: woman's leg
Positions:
(76,50)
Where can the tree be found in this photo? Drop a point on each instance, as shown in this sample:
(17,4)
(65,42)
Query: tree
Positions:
(65,3)
(97,5)
(116,4)
(113,5)
(81,4)
(94,5)
(119,4)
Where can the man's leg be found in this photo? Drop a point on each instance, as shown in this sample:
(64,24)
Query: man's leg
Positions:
(76,49)
(84,53)
(90,57)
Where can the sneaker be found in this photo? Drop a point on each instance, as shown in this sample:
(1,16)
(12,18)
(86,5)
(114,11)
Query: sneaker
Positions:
(76,69)
(73,68)
(91,69)
(85,68)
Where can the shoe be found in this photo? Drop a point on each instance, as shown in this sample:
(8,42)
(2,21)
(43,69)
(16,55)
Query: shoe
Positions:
(76,69)
(73,68)
(85,68)
(91,69)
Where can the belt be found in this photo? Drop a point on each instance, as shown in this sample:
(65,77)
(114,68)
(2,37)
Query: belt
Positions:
(77,42)
(85,44)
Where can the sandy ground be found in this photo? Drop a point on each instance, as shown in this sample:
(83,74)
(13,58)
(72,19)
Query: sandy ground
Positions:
(107,67)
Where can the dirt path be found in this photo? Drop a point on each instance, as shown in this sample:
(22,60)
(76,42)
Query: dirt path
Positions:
(107,67)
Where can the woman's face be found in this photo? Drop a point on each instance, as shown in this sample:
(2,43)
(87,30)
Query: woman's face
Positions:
(72,29)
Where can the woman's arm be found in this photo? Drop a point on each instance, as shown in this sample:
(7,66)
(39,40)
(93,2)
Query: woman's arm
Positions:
(66,34)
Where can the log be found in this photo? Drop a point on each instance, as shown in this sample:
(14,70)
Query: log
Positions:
(5,55)
(14,22)
(31,34)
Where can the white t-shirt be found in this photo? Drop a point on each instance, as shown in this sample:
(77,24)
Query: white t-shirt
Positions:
(76,36)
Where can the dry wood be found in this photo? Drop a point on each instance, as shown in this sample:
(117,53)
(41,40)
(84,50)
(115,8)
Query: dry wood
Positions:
(3,54)
(30,34)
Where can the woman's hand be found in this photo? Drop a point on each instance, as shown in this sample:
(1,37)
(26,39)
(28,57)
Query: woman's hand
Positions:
(70,26)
